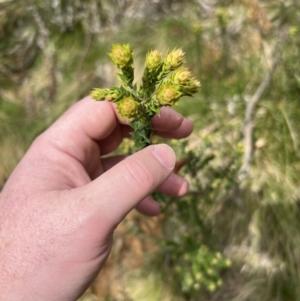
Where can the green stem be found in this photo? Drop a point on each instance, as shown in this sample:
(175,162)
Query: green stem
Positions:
(142,130)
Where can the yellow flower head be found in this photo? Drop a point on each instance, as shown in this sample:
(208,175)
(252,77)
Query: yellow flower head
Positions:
(98,94)
(153,60)
(168,94)
(128,107)
(181,76)
(174,59)
(121,55)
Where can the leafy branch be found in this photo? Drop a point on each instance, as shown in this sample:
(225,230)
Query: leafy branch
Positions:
(164,82)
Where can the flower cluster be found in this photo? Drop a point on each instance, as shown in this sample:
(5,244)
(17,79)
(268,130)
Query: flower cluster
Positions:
(164,82)
(200,269)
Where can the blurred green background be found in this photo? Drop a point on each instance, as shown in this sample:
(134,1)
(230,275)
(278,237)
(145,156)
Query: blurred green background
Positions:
(236,235)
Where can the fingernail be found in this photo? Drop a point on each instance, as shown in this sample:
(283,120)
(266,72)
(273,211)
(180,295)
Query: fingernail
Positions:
(165,155)
(184,188)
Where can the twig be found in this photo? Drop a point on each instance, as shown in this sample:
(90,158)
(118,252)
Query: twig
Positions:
(249,126)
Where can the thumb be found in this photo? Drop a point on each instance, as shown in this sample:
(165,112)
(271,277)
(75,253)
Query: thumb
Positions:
(116,192)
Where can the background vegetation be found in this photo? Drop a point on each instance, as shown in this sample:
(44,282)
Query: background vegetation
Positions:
(236,235)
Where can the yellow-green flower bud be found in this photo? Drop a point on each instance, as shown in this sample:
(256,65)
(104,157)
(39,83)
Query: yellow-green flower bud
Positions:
(98,94)
(128,107)
(114,94)
(168,95)
(181,76)
(153,60)
(121,55)
(174,59)
(111,97)
(193,86)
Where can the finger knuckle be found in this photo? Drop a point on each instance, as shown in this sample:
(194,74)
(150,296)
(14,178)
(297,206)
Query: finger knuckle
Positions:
(139,173)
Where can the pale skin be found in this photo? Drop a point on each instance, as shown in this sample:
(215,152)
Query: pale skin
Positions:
(62,203)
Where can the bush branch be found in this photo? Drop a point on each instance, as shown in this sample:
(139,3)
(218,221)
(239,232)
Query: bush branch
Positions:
(249,125)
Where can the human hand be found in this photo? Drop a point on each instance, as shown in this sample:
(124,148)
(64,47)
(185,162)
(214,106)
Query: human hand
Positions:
(59,208)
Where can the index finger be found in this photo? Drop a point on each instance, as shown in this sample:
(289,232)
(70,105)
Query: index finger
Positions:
(77,131)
